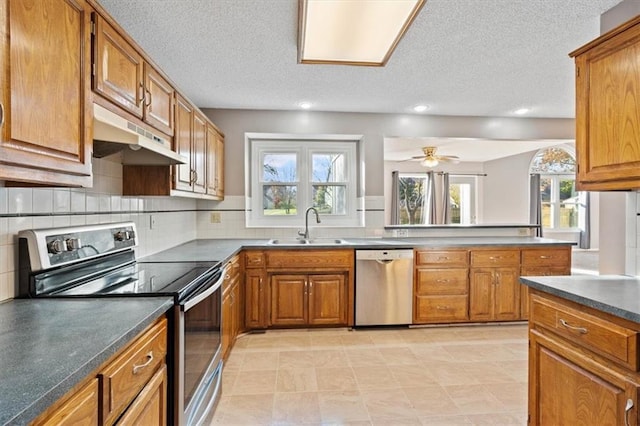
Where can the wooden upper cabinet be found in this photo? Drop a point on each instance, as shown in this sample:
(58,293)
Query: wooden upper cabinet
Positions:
(158,100)
(183,176)
(607,104)
(45,95)
(199,153)
(122,76)
(118,68)
(215,162)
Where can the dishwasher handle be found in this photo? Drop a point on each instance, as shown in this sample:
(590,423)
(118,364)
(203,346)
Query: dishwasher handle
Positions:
(384,261)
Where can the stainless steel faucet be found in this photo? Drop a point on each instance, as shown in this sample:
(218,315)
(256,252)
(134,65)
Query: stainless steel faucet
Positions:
(305,234)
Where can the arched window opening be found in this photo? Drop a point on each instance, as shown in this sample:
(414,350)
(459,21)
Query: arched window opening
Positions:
(560,201)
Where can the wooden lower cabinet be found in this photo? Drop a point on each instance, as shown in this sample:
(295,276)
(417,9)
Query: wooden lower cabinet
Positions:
(128,389)
(318,299)
(441,295)
(150,407)
(583,365)
(542,262)
(495,294)
(82,408)
(256,299)
(232,307)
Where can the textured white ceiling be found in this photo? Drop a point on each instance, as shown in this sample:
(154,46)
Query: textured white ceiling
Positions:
(462,57)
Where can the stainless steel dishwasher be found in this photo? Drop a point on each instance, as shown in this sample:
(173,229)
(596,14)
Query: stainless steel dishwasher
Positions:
(384,287)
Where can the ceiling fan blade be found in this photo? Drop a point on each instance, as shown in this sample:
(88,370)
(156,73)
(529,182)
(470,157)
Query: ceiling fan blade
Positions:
(449,159)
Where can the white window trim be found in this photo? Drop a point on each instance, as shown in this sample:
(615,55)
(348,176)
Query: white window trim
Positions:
(256,144)
(555,200)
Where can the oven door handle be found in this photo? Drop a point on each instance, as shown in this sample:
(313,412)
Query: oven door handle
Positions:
(188,304)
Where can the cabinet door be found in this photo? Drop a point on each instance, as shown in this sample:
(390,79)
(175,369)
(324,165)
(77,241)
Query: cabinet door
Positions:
(212,165)
(607,130)
(288,299)
(183,175)
(255,303)
(45,133)
(158,101)
(327,299)
(199,153)
(506,294)
(236,311)
(227,323)
(150,406)
(481,294)
(80,409)
(219,165)
(118,69)
(567,387)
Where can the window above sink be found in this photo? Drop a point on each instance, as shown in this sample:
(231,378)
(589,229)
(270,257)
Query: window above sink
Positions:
(288,173)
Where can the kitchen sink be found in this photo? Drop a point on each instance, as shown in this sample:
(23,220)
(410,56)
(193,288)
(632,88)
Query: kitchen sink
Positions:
(311,242)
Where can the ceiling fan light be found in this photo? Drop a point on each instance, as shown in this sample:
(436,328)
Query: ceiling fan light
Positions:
(429,162)
(352,32)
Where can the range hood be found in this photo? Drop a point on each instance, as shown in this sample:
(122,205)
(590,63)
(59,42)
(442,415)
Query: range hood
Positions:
(113,133)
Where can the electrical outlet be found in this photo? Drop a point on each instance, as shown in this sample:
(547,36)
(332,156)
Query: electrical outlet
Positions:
(403,233)
(523,232)
(215,217)
(152,222)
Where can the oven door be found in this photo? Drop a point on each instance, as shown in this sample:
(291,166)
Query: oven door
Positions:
(200,358)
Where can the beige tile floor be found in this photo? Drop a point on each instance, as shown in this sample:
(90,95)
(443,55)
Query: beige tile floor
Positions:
(426,376)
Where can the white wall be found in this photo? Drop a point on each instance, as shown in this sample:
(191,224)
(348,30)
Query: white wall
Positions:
(506,189)
(375,127)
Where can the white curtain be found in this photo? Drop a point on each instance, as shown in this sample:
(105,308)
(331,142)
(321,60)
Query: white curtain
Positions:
(584,219)
(535,203)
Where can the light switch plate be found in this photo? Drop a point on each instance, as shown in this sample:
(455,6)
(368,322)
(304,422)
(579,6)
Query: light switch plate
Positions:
(215,217)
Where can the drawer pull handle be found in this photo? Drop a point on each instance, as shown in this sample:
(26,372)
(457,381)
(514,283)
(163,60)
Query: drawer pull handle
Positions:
(442,281)
(581,330)
(545,257)
(137,368)
(442,308)
(1,114)
(627,409)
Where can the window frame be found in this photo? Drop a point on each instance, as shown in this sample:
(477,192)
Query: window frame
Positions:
(305,146)
(555,189)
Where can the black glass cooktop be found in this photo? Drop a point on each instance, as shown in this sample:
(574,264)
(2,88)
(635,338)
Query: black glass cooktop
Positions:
(175,279)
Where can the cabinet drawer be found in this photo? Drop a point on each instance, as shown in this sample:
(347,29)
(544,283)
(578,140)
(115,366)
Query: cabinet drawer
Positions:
(441,308)
(430,282)
(125,377)
(545,270)
(292,259)
(442,258)
(495,258)
(597,334)
(546,257)
(254,259)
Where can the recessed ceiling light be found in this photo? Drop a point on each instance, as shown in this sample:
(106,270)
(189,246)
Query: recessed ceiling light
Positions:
(305,105)
(352,32)
(421,108)
(521,111)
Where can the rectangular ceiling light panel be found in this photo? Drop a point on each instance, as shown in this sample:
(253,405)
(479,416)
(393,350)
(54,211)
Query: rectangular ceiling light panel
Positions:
(352,32)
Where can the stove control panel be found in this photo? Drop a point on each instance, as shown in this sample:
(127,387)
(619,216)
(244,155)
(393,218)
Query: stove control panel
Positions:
(58,246)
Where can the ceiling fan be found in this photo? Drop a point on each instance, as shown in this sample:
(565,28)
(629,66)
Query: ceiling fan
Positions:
(430,159)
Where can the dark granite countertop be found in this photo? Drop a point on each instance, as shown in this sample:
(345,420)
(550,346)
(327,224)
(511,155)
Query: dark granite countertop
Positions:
(614,294)
(224,248)
(48,346)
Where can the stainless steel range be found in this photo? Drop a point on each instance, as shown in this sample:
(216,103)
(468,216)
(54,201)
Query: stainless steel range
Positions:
(99,261)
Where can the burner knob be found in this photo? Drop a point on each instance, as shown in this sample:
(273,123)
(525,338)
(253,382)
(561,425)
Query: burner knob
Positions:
(124,235)
(73,244)
(55,247)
